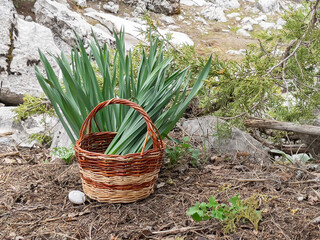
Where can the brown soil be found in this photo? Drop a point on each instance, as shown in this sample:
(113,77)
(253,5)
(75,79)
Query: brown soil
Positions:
(24,7)
(34,203)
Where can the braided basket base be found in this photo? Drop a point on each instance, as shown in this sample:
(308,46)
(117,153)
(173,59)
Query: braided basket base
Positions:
(117,189)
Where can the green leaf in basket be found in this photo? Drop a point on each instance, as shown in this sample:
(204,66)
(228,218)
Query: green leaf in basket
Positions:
(94,76)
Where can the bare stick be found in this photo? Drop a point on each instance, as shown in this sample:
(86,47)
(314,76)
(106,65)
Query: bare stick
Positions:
(5,134)
(8,154)
(282,126)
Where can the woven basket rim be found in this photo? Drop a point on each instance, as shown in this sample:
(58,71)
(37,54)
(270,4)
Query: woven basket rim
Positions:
(114,157)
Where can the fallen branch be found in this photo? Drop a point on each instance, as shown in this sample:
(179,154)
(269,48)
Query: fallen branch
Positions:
(5,134)
(176,230)
(283,126)
(250,179)
(8,154)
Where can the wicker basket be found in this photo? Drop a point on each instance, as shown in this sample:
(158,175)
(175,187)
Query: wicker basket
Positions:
(116,178)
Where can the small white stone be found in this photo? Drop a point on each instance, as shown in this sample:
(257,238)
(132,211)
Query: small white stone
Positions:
(77,197)
(247,27)
(267,25)
(262,17)
(243,32)
(300,198)
(28,19)
(233,15)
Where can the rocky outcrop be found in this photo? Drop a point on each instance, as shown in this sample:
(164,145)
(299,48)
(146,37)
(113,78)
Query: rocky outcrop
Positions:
(21,131)
(64,22)
(19,52)
(168,7)
(211,133)
(133,29)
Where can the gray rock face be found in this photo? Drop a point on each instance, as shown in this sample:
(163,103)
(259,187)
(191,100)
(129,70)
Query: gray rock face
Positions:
(168,7)
(19,76)
(7,23)
(60,138)
(22,130)
(62,21)
(206,131)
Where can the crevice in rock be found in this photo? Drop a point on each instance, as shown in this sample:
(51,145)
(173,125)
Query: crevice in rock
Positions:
(13,31)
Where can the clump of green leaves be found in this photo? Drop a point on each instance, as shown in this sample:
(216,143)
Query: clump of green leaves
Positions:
(41,138)
(67,154)
(33,106)
(183,150)
(229,215)
(163,95)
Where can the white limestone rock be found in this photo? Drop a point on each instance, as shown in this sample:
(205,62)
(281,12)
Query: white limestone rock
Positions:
(7,22)
(167,20)
(226,4)
(197,3)
(111,7)
(233,15)
(81,3)
(261,18)
(249,20)
(28,37)
(236,52)
(267,25)
(22,130)
(268,6)
(247,27)
(243,32)
(214,13)
(63,21)
(132,29)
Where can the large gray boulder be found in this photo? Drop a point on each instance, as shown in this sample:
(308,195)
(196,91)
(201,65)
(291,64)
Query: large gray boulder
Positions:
(212,133)
(64,22)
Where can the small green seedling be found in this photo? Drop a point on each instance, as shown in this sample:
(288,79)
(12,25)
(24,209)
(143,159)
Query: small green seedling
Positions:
(63,152)
(229,215)
(182,150)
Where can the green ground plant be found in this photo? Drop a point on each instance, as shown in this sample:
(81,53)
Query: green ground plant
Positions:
(33,106)
(182,151)
(228,215)
(65,153)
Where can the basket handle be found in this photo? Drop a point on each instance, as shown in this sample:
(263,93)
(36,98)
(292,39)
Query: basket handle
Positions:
(152,131)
